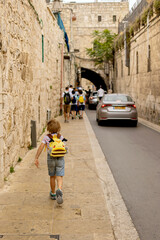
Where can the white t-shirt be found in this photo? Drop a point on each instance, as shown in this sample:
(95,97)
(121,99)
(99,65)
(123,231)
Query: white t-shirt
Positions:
(100,92)
(70,90)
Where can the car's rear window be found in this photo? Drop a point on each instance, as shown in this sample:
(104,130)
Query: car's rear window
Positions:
(115,98)
(94,93)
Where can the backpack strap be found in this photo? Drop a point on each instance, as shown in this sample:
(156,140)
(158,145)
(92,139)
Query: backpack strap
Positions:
(58,135)
(51,137)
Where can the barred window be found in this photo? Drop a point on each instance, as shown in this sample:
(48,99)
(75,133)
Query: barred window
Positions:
(114,18)
(99,18)
(137,69)
(149,59)
(121,68)
(116,69)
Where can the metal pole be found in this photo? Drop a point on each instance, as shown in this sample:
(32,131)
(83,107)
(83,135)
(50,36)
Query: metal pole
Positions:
(61,86)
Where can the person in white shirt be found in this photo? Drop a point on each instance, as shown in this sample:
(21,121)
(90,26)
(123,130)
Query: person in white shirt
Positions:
(70,89)
(100,93)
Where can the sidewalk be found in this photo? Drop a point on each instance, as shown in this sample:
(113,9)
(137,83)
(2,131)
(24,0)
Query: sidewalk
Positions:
(91,208)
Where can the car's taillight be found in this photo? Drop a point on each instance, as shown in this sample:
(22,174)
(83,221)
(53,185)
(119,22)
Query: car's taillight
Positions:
(132,105)
(106,105)
(91,98)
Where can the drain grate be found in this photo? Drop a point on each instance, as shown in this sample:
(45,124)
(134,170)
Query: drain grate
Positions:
(55,237)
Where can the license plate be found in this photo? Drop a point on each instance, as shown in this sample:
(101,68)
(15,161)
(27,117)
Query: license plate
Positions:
(119,107)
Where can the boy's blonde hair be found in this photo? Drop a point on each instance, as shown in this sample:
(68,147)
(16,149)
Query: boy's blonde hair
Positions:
(53,126)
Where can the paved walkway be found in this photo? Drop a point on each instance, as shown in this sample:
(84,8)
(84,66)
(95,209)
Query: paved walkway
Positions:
(89,211)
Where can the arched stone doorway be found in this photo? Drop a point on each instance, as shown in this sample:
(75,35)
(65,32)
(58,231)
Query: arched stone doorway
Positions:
(94,77)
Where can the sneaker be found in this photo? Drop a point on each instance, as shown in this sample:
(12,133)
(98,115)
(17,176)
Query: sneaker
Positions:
(52,195)
(59,195)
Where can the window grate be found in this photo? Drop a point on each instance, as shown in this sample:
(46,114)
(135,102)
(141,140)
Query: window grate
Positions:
(55,237)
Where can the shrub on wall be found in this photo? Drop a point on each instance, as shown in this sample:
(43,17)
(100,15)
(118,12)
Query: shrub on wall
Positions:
(144,17)
(131,31)
(151,11)
(157,7)
(137,24)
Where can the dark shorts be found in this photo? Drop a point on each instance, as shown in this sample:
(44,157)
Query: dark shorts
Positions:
(73,107)
(55,166)
(81,107)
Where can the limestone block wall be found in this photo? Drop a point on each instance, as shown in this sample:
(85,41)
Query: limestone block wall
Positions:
(29,84)
(141,84)
(87,15)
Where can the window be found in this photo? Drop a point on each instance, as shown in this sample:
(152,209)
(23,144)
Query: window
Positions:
(129,69)
(115,98)
(121,68)
(42,48)
(149,59)
(137,70)
(116,69)
(99,18)
(114,18)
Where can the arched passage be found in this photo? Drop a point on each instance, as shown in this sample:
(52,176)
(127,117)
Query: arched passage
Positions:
(94,77)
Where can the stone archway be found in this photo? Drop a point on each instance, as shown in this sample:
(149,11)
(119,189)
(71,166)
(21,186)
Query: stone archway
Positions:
(94,77)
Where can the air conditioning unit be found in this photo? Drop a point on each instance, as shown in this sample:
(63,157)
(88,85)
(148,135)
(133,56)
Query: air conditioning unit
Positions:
(48,114)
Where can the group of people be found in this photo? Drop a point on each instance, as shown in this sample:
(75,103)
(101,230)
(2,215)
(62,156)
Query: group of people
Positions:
(74,103)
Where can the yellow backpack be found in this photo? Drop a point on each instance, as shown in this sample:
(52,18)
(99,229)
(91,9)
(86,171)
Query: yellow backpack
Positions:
(56,146)
(81,99)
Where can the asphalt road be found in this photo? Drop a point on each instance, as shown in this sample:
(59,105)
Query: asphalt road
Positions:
(133,155)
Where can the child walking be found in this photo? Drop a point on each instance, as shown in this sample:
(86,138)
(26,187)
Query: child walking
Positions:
(55,164)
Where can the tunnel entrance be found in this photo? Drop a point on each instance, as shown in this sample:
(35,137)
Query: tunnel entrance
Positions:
(94,77)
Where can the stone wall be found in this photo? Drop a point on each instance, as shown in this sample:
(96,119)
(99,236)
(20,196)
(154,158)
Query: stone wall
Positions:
(28,85)
(86,21)
(141,84)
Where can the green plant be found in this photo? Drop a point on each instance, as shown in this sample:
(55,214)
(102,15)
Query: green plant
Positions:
(102,50)
(12,169)
(5,179)
(157,7)
(30,147)
(131,31)
(137,24)
(51,87)
(151,11)
(19,159)
(43,130)
(121,41)
(144,17)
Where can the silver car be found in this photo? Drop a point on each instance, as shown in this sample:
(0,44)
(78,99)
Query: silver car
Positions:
(116,107)
(93,100)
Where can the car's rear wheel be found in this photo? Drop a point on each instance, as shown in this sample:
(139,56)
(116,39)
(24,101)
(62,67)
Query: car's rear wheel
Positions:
(99,122)
(134,124)
(89,106)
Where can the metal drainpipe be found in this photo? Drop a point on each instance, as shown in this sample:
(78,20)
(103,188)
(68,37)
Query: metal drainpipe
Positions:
(1,137)
(61,86)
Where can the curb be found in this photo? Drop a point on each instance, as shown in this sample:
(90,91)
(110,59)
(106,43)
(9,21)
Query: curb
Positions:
(122,224)
(149,124)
